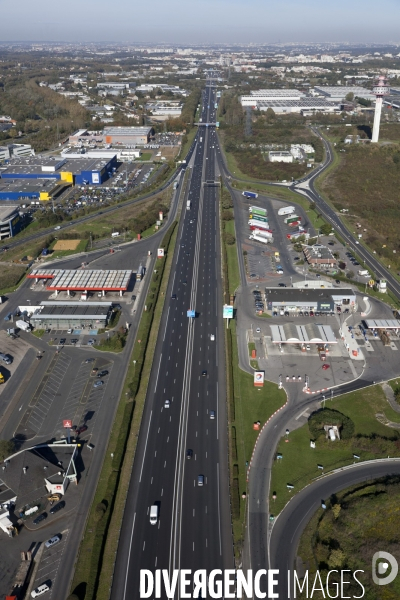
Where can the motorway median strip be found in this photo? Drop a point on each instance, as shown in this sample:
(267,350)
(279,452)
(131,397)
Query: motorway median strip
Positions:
(96,559)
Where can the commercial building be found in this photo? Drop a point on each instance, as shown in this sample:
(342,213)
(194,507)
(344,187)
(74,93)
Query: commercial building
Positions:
(15,150)
(338,93)
(70,171)
(11,222)
(293,300)
(71,315)
(127,135)
(319,255)
(30,190)
(305,106)
(312,333)
(121,154)
(83,136)
(257,96)
(116,85)
(283,156)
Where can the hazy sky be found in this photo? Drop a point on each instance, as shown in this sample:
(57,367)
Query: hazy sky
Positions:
(196,21)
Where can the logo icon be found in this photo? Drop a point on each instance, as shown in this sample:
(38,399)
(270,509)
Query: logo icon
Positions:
(381,561)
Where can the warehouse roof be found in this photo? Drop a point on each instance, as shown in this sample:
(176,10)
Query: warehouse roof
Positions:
(47,167)
(83,279)
(303,103)
(63,310)
(28,185)
(127,130)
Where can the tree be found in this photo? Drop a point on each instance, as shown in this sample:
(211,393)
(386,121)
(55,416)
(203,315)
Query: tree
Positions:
(7,447)
(326,229)
(229,238)
(336,558)
(350,97)
(336,508)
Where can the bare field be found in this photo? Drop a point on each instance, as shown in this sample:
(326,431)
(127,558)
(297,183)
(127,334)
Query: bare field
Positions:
(66,244)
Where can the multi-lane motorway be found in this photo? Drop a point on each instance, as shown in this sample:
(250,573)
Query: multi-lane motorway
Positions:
(193,530)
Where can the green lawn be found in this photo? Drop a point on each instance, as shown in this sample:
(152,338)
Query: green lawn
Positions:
(145,156)
(233,266)
(299,463)
(251,405)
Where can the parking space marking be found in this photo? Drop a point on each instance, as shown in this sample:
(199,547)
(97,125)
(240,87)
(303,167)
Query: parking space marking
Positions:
(51,560)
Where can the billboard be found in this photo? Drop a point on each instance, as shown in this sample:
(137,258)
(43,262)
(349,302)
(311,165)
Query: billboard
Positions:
(259,378)
(67,423)
(160,253)
(95,177)
(227,312)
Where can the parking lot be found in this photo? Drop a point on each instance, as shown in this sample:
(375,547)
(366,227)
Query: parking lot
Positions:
(50,563)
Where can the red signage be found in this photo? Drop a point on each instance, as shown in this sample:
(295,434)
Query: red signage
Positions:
(67,423)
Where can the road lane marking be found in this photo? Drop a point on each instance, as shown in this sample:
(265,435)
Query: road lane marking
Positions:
(145,447)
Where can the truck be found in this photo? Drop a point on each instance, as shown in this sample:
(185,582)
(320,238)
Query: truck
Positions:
(294,224)
(286,210)
(363,272)
(258,225)
(262,233)
(262,220)
(259,218)
(188,205)
(258,210)
(291,219)
(250,194)
(115,234)
(140,273)
(23,325)
(259,238)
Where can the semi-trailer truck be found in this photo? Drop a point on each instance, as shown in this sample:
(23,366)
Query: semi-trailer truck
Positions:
(249,194)
(258,210)
(262,226)
(262,233)
(23,325)
(294,223)
(259,217)
(291,219)
(258,223)
(263,240)
(286,210)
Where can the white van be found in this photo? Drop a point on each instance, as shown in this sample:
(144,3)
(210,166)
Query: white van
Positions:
(42,589)
(153,514)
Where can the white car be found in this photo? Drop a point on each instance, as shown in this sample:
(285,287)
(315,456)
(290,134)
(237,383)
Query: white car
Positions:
(212,337)
(258,330)
(166,404)
(39,591)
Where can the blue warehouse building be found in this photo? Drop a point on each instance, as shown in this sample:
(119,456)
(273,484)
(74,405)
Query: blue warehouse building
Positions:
(52,170)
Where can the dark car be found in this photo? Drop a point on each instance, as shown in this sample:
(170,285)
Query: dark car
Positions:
(204,373)
(62,341)
(189,453)
(74,341)
(337,281)
(133,297)
(81,429)
(57,507)
(184,282)
(282,284)
(173,297)
(102,373)
(40,518)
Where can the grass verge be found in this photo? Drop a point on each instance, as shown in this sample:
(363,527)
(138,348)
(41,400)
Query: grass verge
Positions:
(95,564)
(371,439)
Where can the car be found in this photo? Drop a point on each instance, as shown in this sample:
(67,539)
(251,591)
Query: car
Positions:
(40,518)
(102,373)
(91,342)
(357,242)
(325,367)
(94,370)
(317,314)
(62,341)
(282,284)
(203,373)
(212,414)
(256,293)
(253,275)
(98,384)
(74,341)
(57,507)
(189,453)
(318,275)
(173,297)
(258,330)
(184,282)
(191,221)
(89,360)
(167,404)
(287,314)
(300,313)
(296,258)
(331,243)
(47,330)
(39,591)
(81,429)
(275,314)
(200,480)
(356,264)
(311,313)
(70,331)
(337,281)
(308,347)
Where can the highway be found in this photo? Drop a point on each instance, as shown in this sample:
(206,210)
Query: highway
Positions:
(193,530)
(291,522)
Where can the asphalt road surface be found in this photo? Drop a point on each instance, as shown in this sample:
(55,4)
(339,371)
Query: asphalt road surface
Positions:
(193,530)
(291,522)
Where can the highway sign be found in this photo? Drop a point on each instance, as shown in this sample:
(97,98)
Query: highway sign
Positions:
(160,253)
(227,312)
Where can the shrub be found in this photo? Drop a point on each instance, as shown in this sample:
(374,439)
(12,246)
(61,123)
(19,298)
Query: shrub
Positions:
(229,238)
(328,416)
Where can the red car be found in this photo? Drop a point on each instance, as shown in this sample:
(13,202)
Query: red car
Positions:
(81,429)
(325,366)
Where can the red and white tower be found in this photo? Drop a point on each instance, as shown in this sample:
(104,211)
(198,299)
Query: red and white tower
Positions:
(380,90)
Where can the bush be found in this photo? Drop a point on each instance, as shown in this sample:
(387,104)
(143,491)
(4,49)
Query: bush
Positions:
(229,238)
(100,511)
(227,215)
(328,416)
(7,447)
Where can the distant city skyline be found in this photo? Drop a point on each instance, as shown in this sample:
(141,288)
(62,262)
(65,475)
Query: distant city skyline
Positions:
(202,21)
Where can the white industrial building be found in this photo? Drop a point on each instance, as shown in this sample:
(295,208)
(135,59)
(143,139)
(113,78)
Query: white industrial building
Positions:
(337,93)
(15,150)
(280,156)
(304,106)
(257,96)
